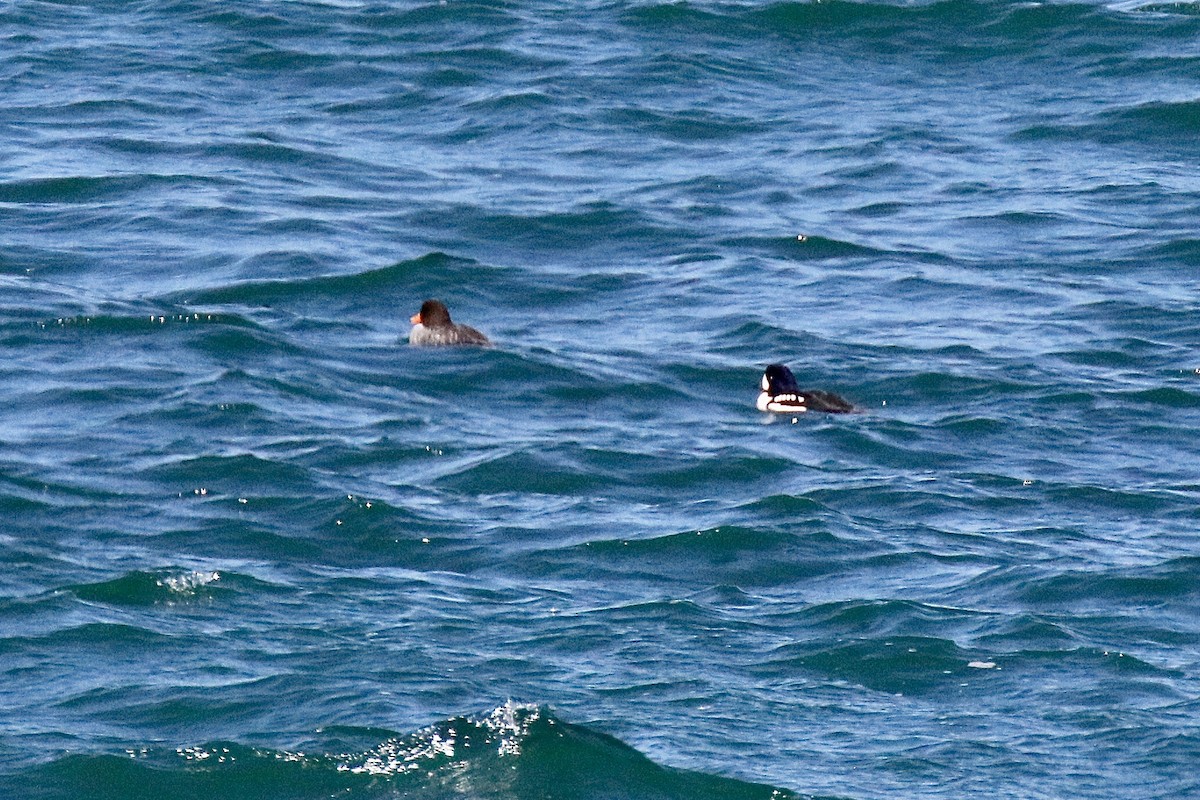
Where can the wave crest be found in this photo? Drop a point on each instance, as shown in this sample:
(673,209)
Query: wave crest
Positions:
(514,752)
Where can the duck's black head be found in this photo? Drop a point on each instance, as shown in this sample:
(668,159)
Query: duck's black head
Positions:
(433,314)
(778,379)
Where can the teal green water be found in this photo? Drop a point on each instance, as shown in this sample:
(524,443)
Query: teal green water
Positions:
(256,546)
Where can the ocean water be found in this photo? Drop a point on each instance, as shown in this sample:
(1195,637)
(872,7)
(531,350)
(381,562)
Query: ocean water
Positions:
(256,546)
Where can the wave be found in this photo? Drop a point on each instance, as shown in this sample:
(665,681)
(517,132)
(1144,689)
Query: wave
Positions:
(168,586)
(1184,251)
(33,309)
(1172,125)
(158,319)
(1182,8)
(913,665)
(607,227)
(1172,581)
(384,280)
(100,111)
(80,189)
(687,125)
(1157,120)
(981,27)
(93,637)
(264,150)
(515,752)
(804,247)
(729,555)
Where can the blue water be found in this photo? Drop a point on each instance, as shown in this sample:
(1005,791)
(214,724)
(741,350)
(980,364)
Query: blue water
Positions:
(255,546)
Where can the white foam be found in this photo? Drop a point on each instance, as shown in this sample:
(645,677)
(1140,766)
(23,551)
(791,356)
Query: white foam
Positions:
(189,582)
(505,728)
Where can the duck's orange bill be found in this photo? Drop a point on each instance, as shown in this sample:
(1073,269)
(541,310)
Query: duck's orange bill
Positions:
(415,319)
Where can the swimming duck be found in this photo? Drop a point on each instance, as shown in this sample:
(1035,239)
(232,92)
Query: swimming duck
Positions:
(432,326)
(782,395)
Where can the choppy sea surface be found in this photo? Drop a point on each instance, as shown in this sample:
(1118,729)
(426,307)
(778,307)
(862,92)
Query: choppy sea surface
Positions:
(253,545)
